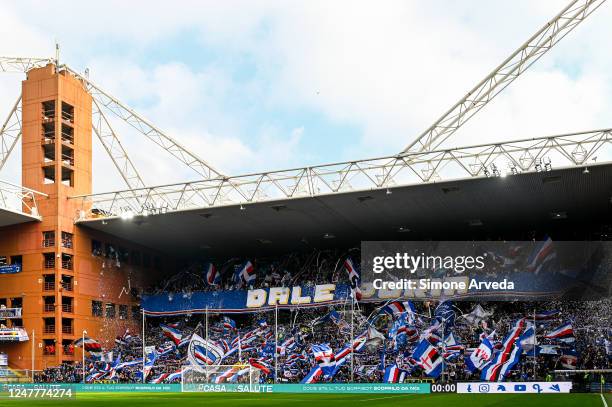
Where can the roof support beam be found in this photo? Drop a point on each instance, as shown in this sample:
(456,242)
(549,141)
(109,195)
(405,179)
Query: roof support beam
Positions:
(10,132)
(106,101)
(484,160)
(17,64)
(111,143)
(513,66)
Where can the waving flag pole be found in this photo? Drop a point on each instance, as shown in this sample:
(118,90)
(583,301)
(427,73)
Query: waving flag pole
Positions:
(352,337)
(275,341)
(205,334)
(535,345)
(144,356)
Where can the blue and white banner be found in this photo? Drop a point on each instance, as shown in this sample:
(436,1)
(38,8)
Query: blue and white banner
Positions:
(10,269)
(10,313)
(267,299)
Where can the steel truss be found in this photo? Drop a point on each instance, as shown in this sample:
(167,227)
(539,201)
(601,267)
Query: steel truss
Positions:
(19,199)
(18,64)
(104,100)
(111,143)
(517,63)
(485,160)
(10,132)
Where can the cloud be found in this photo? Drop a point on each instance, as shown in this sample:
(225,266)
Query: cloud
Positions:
(242,83)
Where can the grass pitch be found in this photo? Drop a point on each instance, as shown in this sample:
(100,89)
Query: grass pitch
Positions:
(316,400)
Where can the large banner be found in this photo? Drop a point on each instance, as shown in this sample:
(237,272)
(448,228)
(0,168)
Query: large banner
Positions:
(13,335)
(267,299)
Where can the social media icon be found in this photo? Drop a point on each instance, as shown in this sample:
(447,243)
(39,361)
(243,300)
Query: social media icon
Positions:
(520,387)
(483,388)
(537,387)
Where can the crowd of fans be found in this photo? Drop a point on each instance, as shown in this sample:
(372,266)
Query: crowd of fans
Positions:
(591,323)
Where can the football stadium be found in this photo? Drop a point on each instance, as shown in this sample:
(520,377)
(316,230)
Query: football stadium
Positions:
(470,276)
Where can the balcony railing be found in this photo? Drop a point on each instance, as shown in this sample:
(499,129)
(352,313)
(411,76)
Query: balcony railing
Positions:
(68,117)
(49,308)
(67,329)
(67,308)
(50,242)
(49,286)
(49,329)
(67,286)
(67,264)
(68,350)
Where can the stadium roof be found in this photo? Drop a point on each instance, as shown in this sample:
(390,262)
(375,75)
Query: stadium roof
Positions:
(471,208)
(9,218)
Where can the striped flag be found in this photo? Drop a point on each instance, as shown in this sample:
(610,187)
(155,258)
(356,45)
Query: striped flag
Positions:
(507,357)
(354,277)
(213,277)
(564,333)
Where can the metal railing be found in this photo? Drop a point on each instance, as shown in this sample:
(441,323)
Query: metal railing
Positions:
(67,285)
(479,161)
(19,199)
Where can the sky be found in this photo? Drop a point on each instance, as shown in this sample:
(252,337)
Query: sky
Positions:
(253,86)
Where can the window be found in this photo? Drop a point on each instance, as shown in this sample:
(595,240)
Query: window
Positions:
(67,112)
(136,312)
(67,304)
(48,110)
(67,240)
(49,326)
(110,310)
(123,311)
(49,282)
(67,261)
(96,308)
(48,239)
(17,302)
(67,134)
(49,260)
(48,347)
(68,347)
(49,304)
(67,326)
(17,260)
(48,174)
(66,283)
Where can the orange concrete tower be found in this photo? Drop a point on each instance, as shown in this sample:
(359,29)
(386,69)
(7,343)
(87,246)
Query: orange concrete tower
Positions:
(61,289)
(56,160)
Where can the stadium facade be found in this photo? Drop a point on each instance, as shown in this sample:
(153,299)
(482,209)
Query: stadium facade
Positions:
(51,281)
